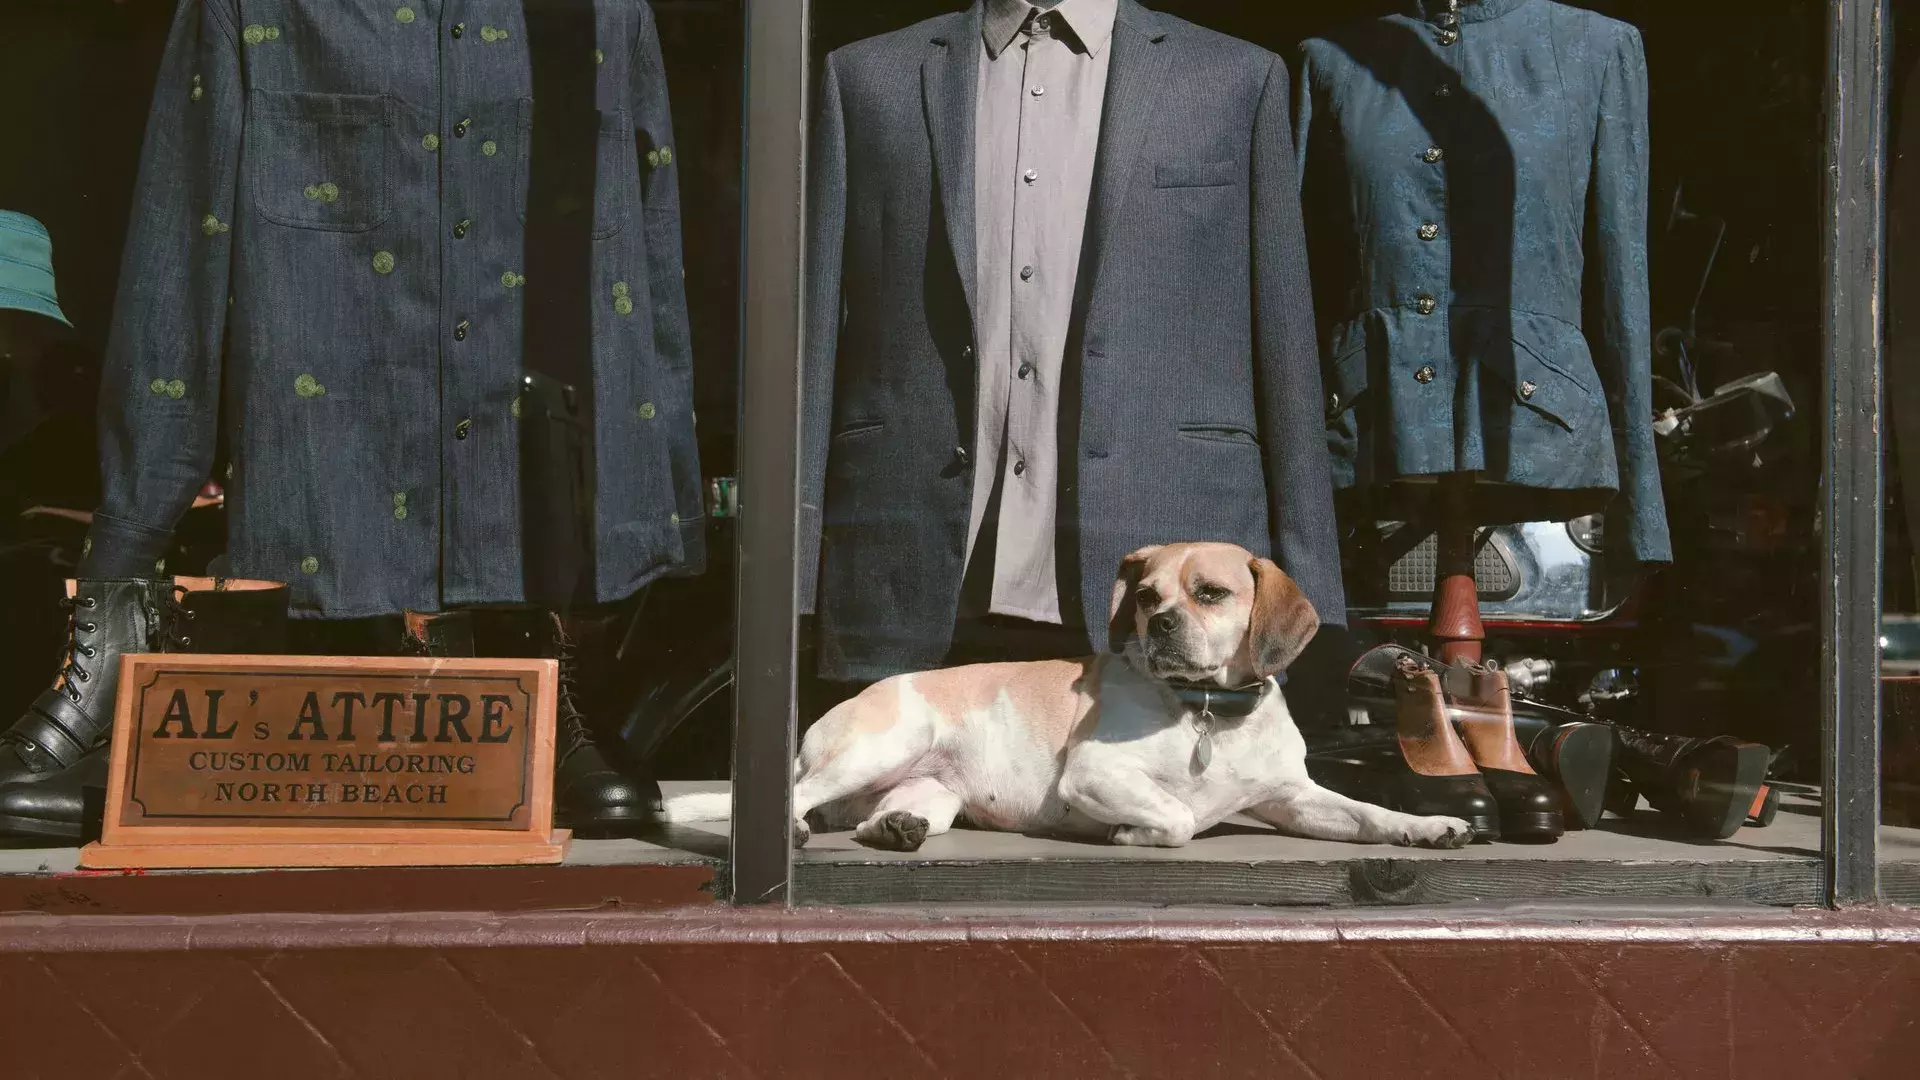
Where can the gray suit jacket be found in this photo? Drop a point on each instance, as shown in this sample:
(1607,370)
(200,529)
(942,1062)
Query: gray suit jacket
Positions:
(1192,363)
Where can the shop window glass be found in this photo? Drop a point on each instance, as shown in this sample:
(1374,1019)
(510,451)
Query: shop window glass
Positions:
(448,380)
(1436,381)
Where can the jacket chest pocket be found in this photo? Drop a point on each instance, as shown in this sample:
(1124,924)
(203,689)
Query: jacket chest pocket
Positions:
(319,161)
(615,181)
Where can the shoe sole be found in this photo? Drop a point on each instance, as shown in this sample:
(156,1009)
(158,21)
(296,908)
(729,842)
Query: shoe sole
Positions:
(1721,784)
(40,828)
(611,823)
(1535,827)
(1582,759)
(1765,808)
(1486,828)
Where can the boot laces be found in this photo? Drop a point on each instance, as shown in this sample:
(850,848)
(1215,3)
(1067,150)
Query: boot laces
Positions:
(74,672)
(574,735)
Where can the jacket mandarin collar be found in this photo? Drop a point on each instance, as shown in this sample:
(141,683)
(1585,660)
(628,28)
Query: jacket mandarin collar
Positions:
(1471,11)
(1090,20)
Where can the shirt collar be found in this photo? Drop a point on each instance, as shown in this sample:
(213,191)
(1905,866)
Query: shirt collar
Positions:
(1470,10)
(1090,20)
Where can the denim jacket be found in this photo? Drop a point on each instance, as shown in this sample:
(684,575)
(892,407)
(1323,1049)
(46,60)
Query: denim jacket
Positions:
(1476,200)
(337,189)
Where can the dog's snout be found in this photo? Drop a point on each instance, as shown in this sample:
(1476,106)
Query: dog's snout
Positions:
(1164,623)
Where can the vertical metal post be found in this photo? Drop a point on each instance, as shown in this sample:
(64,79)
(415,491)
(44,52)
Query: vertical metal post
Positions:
(1859,54)
(766,603)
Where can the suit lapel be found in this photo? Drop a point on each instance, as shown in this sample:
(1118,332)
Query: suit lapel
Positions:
(1135,76)
(950,81)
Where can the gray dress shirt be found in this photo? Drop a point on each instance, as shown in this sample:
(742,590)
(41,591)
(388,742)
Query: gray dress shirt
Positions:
(1043,85)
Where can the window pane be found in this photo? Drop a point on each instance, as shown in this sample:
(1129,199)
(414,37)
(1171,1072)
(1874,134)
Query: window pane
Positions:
(1141,342)
(357,327)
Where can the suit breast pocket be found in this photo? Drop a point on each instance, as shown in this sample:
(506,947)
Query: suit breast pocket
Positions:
(319,161)
(1196,174)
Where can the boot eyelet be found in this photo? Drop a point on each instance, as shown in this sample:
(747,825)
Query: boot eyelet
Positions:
(90,603)
(87,651)
(88,628)
(185,641)
(82,672)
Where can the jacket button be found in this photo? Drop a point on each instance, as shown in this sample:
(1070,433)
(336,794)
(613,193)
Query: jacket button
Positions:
(966,352)
(1428,305)
(1429,231)
(1527,389)
(1333,402)
(1443,91)
(1448,37)
(1433,155)
(961,455)
(1026,371)
(1019,468)
(1424,375)
(460,429)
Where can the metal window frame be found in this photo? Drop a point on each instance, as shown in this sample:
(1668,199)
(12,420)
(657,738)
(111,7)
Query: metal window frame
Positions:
(1859,39)
(1859,55)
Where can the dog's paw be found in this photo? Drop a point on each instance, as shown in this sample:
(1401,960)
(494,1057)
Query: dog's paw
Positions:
(1439,832)
(896,830)
(802,833)
(1144,836)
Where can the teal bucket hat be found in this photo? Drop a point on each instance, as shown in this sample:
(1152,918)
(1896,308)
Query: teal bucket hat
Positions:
(26,267)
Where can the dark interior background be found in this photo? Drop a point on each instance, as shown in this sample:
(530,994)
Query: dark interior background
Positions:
(1736,116)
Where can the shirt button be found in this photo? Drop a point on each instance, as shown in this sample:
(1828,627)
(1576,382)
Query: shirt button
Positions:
(459,28)
(460,129)
(1026,370)
(460,429)
(1433,155)
(460,330)
(1428,305)
(1019,468)
(961,455)
(1031,175)
(1039,91)
(1429,231)
(1026,273)
(1424,375)
(1527,389)
(460,229)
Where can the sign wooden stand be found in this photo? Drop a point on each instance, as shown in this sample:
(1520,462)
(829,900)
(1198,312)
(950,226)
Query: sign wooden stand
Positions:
(296,761)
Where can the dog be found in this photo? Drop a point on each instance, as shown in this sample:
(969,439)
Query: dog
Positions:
(1182,726)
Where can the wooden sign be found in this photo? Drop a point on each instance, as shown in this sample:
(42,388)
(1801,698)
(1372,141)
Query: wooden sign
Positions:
(248,761)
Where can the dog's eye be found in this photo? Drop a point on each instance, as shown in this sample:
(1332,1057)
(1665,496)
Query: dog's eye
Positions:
(1147,596)
(1211,594)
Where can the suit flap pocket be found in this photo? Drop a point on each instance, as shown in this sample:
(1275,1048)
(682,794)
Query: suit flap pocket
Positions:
(1235,434)
(319,161)
(1179,174)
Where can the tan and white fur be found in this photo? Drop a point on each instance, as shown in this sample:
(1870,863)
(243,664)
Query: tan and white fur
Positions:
(1100,747)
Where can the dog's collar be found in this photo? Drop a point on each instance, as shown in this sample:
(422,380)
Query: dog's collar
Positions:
(1226,704)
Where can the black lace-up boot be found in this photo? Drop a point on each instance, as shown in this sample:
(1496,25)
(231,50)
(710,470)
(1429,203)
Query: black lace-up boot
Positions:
(54,754)
(590,796)
(1708,786)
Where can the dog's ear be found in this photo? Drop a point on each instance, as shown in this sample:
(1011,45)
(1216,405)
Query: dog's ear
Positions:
(1120,620)
(1283,620)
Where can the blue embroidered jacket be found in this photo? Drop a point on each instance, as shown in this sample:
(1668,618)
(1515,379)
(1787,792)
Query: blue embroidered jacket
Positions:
(1476,202)
(338,191)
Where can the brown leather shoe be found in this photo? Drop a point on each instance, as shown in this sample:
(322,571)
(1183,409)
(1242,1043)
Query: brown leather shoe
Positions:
(1483,708)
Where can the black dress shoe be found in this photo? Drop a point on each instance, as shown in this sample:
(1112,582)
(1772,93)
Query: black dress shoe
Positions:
(200,615)
(1576,755)
(1707,786)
